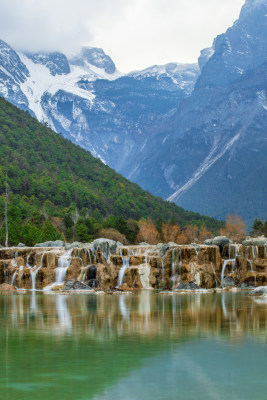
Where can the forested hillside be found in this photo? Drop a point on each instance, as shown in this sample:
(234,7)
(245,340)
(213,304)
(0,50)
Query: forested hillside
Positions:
(56,188)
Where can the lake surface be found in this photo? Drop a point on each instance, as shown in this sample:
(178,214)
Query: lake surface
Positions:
(133,347)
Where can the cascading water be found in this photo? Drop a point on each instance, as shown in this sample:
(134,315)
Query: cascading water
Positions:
(27,262)
(174,263)
(162,273)
(255,256)
(89,256)
(82,275)
(174,270)
(180,262)
(125,265)
(252,270)
(223,270)
(255,252)
(230,260)
(34,273)
(63,265)
(14,278)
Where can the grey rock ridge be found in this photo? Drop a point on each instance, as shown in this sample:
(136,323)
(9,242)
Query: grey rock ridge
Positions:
(195,134)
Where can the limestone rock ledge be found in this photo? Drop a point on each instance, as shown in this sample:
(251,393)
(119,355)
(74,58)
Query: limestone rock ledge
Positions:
(107,265)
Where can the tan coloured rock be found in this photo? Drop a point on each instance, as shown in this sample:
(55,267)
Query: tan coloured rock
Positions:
(4,287)
(199,264)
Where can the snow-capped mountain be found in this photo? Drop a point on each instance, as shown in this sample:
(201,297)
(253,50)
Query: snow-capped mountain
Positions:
(195,134)
(89,101)
(183,75)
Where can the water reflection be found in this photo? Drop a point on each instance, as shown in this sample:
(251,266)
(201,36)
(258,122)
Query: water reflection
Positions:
(145,314)
(143,346)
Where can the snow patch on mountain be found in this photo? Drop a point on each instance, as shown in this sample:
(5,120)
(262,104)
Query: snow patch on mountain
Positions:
(183,75)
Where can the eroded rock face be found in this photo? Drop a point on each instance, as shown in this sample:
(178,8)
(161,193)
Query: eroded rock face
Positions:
(140,267)
(106,246)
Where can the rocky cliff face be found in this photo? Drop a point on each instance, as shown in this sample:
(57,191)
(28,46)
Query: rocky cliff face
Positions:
(218,135)
(105,265)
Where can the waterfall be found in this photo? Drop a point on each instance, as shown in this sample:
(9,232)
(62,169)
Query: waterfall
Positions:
(174,263)
(230,260)
(83,274)
(180,261)
(223,270)
(255,252)
(162,273)
(27,262)
(174,269)
(81,277)
(34,270)
(125,265)
(146,257)
(14,278)
(89,256)
(34,273)
(252,270)
(63,265)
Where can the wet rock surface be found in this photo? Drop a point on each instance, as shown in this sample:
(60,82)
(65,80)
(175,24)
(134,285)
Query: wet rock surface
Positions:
(76,285)
(135,267)
(188,286)
(91,272)
(228,282)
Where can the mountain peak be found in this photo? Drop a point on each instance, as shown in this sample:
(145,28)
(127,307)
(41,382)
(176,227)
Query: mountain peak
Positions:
(96,57)
(56,62)
(11,63)
(251,5)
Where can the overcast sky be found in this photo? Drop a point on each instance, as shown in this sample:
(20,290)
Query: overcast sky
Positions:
(135,33)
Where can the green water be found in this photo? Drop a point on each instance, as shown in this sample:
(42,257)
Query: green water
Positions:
(133,347)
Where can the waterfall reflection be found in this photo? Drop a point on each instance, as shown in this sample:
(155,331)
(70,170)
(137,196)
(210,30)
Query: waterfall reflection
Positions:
(142,314)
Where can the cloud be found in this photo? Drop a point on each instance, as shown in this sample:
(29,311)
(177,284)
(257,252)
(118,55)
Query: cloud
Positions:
(52,24)
(136,33)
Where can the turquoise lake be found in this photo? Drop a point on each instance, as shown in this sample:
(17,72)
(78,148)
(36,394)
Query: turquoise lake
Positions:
(143,346)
